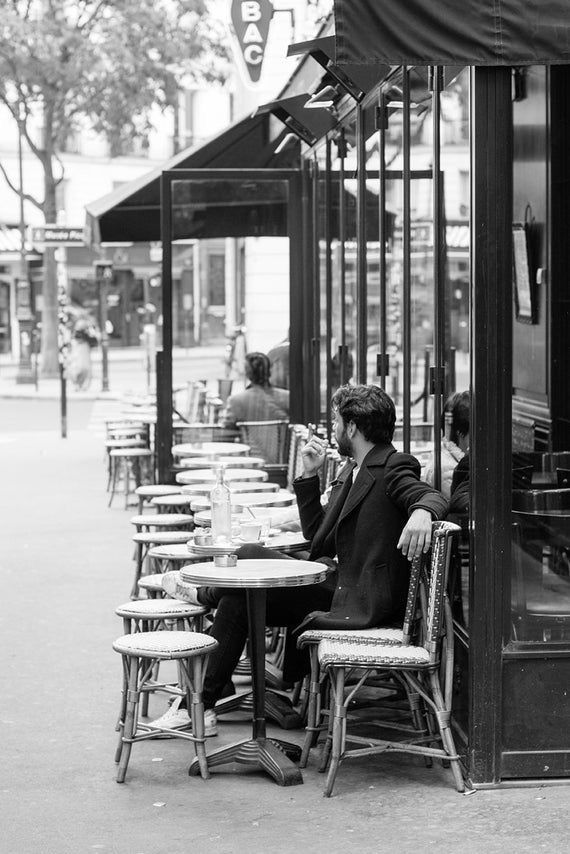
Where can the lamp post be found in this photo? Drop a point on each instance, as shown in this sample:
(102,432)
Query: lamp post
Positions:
(24,314)
(103,277)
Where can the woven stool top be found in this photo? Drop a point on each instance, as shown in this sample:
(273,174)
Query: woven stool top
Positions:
(151,582)
(161,538)
(131,452)
(370,654)
(168,520)
(165,644)
(171,500)
(146,609)
(380,635)
(151,489)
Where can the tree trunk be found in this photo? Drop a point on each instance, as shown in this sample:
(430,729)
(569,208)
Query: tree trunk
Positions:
(49,350)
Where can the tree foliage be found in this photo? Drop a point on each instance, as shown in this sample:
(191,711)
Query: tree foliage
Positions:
(106,62)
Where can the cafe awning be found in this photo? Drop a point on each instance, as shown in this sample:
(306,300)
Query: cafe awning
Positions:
(131,213)
(448,32)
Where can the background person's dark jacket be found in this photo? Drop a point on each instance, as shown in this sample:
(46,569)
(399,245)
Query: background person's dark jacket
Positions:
(363,528)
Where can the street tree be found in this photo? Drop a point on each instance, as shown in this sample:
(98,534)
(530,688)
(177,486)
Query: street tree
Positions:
(108,64)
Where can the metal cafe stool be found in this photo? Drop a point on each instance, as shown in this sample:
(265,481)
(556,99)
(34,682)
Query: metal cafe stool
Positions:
(141,652)
(152,615)
(148,491)
(131,465)
(144,540)
(153,585)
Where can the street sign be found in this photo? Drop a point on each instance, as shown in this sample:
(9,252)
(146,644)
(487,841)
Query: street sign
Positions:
(250,20)
(57,235)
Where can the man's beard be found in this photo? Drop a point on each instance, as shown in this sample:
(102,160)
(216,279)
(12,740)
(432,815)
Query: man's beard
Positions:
(344,444)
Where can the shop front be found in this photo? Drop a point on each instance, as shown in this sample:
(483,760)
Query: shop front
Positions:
(427,251)
(438,258)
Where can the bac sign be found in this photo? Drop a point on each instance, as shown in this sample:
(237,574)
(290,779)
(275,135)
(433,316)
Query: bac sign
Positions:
(251,19)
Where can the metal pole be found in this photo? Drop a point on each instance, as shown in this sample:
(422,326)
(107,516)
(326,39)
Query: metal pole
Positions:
(23,294)
(63,333)
(103,292)
(407,273)
(436,80)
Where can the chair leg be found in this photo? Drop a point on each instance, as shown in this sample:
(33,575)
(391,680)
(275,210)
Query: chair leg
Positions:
(311,727)
(194,695)
(121,720)
(114,476)
(443,721)
(130,723)
(338,712)
(127,483)
(138,570)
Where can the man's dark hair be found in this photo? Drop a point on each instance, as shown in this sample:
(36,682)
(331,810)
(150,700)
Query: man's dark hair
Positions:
(460,415)
(369,408)
(257,368)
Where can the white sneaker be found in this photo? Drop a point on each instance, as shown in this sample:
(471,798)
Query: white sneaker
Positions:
(173,718)
(210,723)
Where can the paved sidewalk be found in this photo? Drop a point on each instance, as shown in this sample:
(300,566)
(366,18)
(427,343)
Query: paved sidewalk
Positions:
(127,374)
(65,563)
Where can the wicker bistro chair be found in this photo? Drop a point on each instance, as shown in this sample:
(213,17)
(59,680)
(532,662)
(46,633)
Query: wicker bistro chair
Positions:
(424,668)
(268,439)
(382,635)
(141,653)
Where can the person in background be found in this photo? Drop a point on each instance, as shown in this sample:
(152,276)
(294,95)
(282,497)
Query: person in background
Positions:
(260,401)
(84,338)
(279,360)
(455,445)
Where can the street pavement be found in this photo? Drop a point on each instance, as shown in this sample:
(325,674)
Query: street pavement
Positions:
(65,564)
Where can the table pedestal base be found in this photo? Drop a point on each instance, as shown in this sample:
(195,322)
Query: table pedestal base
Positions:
(271,755)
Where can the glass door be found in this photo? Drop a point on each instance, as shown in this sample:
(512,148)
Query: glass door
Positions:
(262,207)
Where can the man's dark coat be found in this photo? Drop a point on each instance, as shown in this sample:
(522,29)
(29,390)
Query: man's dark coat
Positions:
(361,526)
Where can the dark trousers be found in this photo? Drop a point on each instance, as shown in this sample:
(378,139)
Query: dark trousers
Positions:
(286,606)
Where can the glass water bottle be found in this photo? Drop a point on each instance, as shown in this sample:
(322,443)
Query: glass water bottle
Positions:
(220,499)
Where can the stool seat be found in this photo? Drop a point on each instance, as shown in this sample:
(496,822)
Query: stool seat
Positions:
(150,490)
(131,452)
(116,444)
(159,609)
(151,583)
(164,645)
(168,520)
(171,501)
(161,538)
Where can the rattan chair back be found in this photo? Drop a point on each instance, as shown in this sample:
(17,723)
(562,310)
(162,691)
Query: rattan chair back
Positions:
(267,439)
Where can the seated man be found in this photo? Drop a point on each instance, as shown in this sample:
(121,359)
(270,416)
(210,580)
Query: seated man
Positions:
(378,514)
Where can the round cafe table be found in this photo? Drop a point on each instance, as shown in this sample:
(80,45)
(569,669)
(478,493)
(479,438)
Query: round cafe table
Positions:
(192,463)
(256,577)
(209,449)
(234,486)
(209,475)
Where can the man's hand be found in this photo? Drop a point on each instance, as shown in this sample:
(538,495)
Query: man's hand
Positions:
(313,455)
(416,536)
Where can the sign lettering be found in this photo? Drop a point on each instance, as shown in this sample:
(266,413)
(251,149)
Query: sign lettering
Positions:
(250,21)
(57,235)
